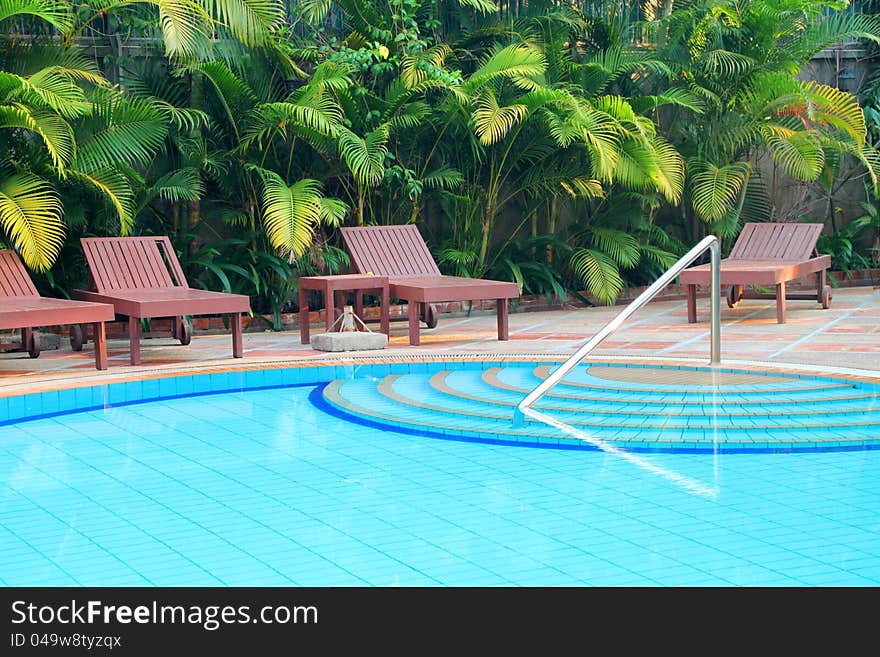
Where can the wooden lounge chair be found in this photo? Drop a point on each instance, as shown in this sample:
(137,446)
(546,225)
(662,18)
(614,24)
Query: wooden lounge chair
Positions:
(400,253)
(23,308)
(766,254)
(142,278)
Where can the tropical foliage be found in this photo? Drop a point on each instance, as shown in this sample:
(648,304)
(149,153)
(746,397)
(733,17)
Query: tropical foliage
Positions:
(575,147)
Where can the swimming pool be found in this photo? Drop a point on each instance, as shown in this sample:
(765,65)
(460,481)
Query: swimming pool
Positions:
(282,477)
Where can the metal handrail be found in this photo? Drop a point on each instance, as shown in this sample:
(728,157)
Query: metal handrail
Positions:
(710,243)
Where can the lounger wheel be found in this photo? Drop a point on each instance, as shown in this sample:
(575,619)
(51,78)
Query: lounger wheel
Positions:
(826,297)
(185,336)
(33,347)
(77,337)
(734,295)
(429,315)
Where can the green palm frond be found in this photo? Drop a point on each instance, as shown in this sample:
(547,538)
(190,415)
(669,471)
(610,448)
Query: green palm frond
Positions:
(56,87)
(799,154)
(830,30)
(55,12)
(410,115)
(870,159)
(290,212)
(250,21)
(670,173)
(365,156)
(563,130)
(615,106)
(461,261)
(677,96)
(412,66)
(601,133)
(599,274)
(332,211)
(636,165)
(580,187)
(235,96)
(766,94)
(52,87)
(315,11)
(492,122)
(726,64)
(833,107)
(609,64)
(323,118)
(328,76)
(122,131)
(183,119)
(443,178)
(518,63)
(179,185)
(620,246)
(186,27)
(541,97)
(482,6)
(56,133)
(658,255)
(175,186)
(31,216)
(116,189)
(715,190)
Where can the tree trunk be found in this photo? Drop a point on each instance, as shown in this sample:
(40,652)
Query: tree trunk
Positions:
(194,208)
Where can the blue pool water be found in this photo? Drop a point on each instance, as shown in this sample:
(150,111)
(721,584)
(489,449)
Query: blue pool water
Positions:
(267,487)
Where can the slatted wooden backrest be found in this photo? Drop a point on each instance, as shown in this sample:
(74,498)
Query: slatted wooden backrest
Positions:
(14,279)
(776,241)
(394,251)
(132,263)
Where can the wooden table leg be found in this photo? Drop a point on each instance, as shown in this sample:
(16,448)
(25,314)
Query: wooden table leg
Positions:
(134,339)
(303,315)
(237,343)
(412,312)
(100,336)
(780,302)
(501,308)
(385,312)
(692,303)
(329,307)
(358,307)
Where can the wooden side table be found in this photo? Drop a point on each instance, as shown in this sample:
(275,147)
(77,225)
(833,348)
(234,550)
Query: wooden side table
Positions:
(331,286)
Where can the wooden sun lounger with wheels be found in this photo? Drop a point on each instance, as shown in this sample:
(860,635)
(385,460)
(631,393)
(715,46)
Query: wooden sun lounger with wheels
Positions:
(142,278)
(400,253)
(23,308)
(766,254)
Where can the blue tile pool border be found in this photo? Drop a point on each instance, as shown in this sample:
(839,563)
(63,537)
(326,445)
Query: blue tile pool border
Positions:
(29,407)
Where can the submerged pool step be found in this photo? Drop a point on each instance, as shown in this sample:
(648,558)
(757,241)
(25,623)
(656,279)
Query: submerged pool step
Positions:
(470,385)
(465,404)
(522,381)
(416,391)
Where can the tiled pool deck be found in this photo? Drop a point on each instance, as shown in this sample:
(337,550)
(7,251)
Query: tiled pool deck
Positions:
(843,339)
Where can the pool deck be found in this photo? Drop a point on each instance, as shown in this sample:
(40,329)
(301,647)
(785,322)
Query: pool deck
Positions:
(844,339)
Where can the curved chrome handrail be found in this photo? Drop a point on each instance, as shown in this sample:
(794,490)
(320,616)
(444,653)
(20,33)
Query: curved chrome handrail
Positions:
(710,243)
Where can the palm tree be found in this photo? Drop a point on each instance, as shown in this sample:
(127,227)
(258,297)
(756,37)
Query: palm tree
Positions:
(68,129)
(742,59)
(36,107)
(541,132)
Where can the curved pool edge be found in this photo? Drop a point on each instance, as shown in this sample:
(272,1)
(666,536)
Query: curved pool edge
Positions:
(30,400)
